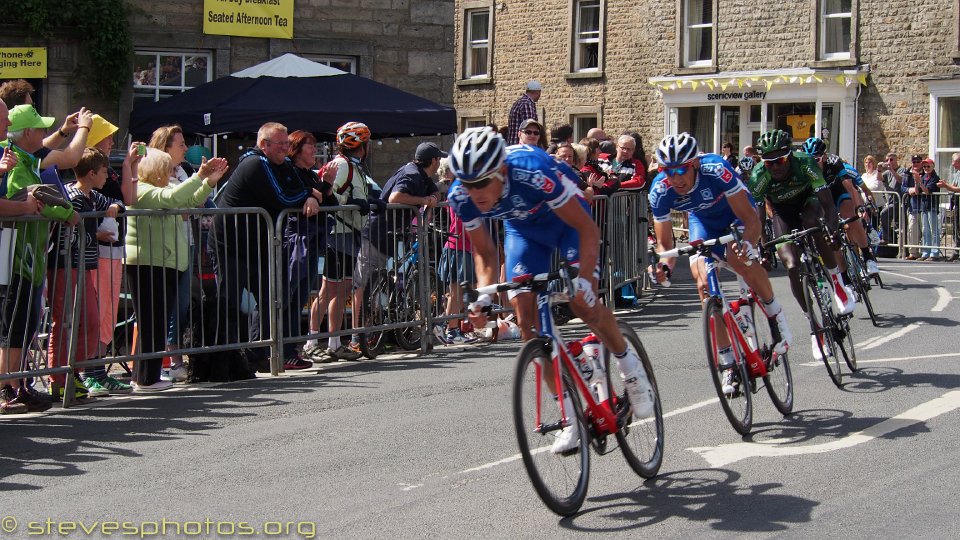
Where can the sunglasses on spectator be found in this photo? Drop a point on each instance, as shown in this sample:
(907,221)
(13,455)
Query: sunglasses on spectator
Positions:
(674,171)
(531,132)
(282,144)
(482,182)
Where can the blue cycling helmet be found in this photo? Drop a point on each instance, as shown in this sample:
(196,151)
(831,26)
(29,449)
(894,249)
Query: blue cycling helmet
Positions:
(746,163)
(814,146)
(675,150)
(477,152)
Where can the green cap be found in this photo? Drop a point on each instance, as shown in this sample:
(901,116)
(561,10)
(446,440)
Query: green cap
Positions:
(25,116)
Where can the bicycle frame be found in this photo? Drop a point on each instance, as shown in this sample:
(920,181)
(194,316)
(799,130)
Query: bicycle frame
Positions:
(603,418)
(749,351)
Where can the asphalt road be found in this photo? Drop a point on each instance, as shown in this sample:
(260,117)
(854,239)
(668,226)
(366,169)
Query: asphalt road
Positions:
(424,447)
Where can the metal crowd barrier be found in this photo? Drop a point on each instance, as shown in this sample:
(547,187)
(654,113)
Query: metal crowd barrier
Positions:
(250,283)
(932,231)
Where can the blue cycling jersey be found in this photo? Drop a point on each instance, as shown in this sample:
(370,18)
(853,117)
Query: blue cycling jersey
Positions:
(535,183)
(707,199)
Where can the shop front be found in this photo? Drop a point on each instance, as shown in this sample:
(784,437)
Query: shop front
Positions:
(736,107)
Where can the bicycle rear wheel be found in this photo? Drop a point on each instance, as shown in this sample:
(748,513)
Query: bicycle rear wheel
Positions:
(860,281)
(641,441)
(411,309)
(559,479)
(821,326)
(779,378)
(738,406)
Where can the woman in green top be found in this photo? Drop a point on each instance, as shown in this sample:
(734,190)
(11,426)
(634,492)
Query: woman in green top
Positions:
(156,251)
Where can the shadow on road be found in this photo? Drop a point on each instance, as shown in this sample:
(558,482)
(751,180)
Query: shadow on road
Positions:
(710,496)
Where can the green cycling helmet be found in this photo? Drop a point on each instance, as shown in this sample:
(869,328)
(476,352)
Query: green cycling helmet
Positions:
(774,142)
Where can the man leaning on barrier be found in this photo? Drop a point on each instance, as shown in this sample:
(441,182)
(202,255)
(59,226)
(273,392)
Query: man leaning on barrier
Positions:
(265,178)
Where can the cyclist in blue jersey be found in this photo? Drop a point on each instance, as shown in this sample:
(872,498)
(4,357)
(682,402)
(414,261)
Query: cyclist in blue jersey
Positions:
(843,180)
(543,212)
(709,189)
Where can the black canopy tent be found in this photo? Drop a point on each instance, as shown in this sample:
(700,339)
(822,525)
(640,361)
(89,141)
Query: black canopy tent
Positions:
(301,95)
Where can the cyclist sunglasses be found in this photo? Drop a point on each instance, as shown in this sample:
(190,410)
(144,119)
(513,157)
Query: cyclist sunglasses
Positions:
(674,171)
(481,182)
(782,160)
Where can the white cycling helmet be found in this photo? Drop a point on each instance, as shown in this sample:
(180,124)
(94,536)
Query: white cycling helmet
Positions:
(476,153)
(675,150)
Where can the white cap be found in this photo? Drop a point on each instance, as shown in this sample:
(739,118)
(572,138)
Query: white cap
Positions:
(534,85)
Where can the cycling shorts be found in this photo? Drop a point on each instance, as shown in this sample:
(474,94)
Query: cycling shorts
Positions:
(715,227)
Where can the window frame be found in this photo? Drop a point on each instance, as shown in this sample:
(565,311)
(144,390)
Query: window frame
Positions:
(577,113)
(940,90)
(683,42)
(467,10)
(328,60)
(836,60)
(823,18)
(141,90)
(577,41)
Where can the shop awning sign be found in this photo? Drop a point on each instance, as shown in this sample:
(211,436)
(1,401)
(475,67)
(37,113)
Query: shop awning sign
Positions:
(249,18)
(23,62)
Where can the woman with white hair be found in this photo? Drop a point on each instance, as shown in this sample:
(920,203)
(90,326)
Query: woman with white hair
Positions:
(156,249)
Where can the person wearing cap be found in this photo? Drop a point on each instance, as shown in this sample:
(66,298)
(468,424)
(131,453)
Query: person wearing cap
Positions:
(531,132)
(910,189)
(929,211)
(19,314)
(110,234)
(413,185)
(523,108)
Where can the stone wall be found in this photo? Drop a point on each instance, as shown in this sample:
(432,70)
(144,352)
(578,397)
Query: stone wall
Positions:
(900,42)
(404,43)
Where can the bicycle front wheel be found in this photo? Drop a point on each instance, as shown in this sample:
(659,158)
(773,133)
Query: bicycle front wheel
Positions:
(559,479)
(844,338)
(822,327)
(375,313)
(641,441)
(779,378)
(738,405)
(860,281)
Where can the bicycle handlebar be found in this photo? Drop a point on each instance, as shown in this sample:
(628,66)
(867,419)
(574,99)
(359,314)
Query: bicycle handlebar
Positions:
(792,236)
(699,246)
(537,281)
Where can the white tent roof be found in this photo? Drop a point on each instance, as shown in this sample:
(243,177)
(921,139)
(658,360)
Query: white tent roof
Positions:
(288,65)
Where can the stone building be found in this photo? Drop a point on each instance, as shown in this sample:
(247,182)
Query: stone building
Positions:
(868,76)
(403,43)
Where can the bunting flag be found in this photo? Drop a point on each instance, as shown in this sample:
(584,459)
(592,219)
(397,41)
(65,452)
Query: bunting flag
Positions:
(768,81)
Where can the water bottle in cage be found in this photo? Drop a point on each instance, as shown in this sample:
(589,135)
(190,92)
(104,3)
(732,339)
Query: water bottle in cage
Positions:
(593,352)
(576,352)
(741,313)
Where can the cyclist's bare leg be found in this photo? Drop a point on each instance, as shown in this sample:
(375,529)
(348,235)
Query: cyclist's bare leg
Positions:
(855,230)
(699,270)
(790,257)
(601,322)
(810,217)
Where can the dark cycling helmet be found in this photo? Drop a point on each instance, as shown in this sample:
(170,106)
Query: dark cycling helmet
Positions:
(746,163)
(774,141)
(476,153)
(675,150)
(814,146)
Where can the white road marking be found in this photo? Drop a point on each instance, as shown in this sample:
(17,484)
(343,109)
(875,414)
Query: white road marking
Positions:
(866,342)
(517,457)
(904,276)
(886,360)
(943,298)
(890,337)
(935,273)
(720,456)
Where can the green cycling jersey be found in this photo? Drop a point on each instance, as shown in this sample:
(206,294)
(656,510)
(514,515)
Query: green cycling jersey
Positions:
(804,176)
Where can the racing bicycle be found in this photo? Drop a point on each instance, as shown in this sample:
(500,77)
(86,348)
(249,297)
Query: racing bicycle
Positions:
(752,342)
(601,407)
(832,330)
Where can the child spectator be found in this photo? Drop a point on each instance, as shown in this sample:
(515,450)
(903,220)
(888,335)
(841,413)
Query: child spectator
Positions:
(91,172)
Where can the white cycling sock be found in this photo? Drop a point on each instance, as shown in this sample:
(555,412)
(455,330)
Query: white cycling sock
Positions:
(773,307)
(333,343)
(628,363)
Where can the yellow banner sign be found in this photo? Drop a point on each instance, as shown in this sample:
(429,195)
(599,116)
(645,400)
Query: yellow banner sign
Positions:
(23,62)
(249,18)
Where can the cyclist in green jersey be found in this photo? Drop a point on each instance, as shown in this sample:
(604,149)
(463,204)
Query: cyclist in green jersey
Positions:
(797,193)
